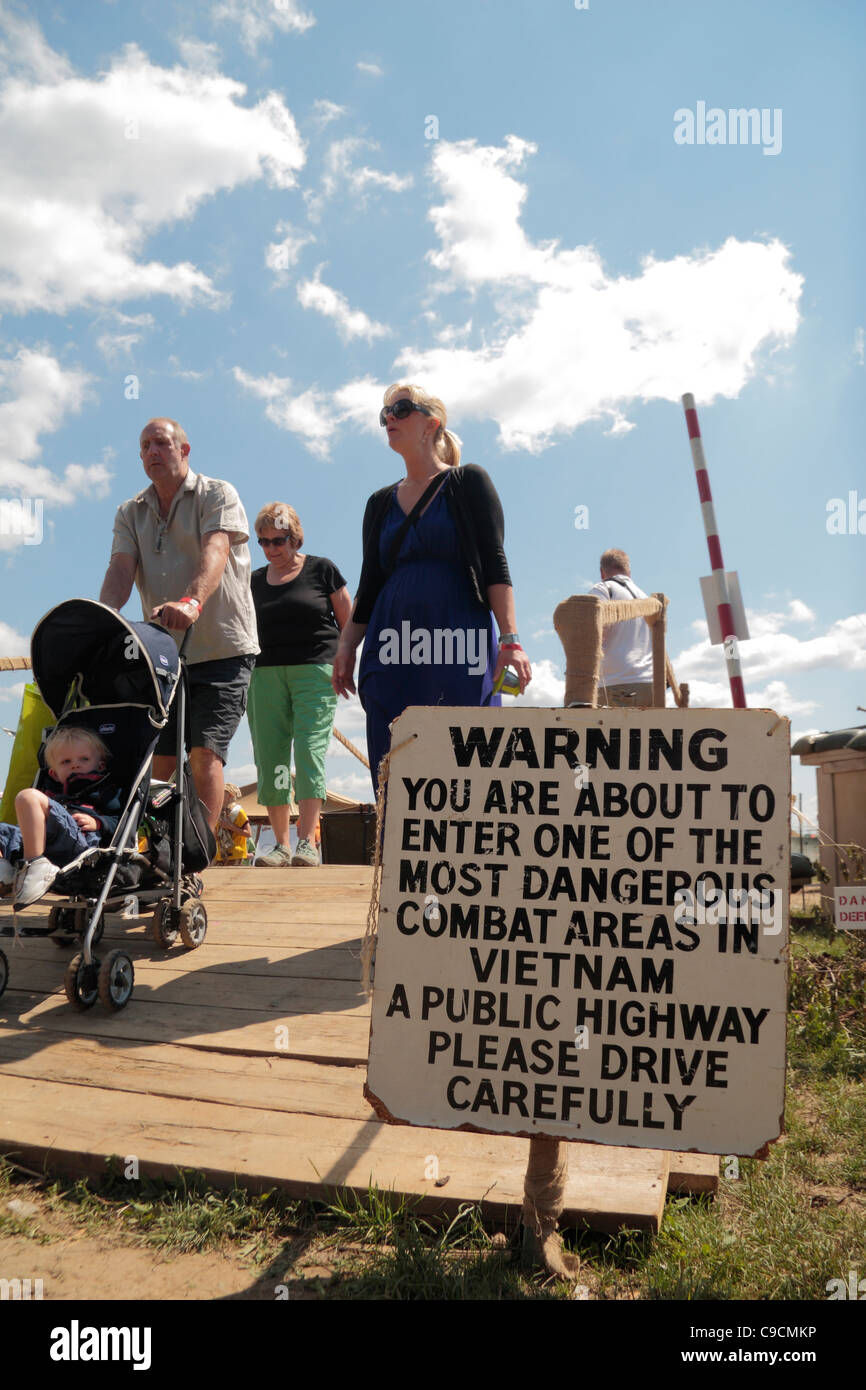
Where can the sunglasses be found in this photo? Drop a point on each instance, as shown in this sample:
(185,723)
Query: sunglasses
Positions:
(273,540)
(400,409)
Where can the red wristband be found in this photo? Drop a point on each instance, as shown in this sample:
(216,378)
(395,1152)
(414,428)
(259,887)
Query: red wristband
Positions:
(187,598)
(510,647)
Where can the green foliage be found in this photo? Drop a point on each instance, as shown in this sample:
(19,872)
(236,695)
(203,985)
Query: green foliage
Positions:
(827,1024)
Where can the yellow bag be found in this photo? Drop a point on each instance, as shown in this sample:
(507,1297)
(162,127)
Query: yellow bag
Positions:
(35,718)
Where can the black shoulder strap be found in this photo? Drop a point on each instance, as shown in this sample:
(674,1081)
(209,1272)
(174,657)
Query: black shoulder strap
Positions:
(624,581)
(432,487)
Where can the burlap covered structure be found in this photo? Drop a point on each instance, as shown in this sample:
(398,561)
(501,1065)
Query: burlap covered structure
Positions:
(579,622)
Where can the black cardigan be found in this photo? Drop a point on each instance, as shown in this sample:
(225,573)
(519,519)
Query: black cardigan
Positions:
(476,510)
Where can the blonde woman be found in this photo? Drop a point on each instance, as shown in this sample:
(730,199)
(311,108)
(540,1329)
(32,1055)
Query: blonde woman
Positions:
(301,604)
(434,569)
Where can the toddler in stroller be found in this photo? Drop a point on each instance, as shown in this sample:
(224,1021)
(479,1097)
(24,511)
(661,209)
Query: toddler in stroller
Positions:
(78,809)
(114,843)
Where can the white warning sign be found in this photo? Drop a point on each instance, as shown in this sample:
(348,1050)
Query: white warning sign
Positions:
(583,926)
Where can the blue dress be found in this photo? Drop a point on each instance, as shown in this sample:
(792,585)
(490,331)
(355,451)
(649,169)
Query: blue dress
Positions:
(429,640)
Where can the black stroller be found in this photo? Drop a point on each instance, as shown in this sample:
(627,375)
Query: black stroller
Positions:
(119,678)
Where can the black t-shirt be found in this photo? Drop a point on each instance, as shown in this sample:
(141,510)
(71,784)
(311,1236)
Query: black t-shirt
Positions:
(296,622)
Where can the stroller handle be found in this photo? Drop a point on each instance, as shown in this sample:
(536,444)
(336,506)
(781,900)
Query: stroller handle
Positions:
(186,635)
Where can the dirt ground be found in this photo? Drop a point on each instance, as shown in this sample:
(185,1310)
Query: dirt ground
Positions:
(75,1264)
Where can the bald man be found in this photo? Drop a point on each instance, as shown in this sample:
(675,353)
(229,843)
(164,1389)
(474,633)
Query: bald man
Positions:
(183,542)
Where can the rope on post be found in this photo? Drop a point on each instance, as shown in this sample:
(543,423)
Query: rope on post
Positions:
(543,1201)
(351,747)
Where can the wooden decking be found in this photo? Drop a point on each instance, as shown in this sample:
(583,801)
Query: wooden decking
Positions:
(246,1059)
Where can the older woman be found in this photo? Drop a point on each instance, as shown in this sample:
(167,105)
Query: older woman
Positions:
(301,604)
(433,559)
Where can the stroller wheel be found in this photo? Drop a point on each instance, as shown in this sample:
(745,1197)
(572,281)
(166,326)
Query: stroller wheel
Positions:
(81,982)
(163,927)
(4,971)
(193,923)
(116,978)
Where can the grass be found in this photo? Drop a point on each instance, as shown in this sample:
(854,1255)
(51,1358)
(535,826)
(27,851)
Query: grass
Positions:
(779,1229)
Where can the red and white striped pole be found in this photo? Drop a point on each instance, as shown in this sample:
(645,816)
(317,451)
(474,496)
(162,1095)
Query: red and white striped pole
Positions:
(726,617)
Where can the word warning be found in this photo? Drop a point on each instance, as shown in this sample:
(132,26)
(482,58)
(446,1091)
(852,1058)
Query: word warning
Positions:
(583,926)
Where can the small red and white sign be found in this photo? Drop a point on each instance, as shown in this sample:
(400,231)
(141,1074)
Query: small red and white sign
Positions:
(850,907)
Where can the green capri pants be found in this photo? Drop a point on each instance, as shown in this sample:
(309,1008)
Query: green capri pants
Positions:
(291,704)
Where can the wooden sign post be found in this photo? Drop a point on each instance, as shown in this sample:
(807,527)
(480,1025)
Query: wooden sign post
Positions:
(583,925)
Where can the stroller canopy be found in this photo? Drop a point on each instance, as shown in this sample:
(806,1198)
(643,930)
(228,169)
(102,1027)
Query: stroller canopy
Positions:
(117,662)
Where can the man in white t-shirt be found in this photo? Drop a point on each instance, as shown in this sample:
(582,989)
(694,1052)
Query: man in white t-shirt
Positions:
(627,663)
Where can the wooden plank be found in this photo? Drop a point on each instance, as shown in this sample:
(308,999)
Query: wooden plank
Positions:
(244,915)
(341,962)
(693,1173)
(332,1037)
(260,991)
(312,1156)
(275,1082)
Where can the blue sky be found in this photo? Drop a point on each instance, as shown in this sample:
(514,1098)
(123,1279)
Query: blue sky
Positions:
(254,216)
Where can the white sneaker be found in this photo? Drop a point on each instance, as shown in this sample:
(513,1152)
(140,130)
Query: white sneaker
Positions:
(280,857)
(36,877)
(306,854)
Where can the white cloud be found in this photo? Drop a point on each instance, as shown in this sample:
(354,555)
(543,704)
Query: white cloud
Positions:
(89,168)
(315,415)
(198,55)
(257,19)
(324,112)
(351,720)
(37,394)
(281,255)
(772,653)
(356,785)
(12,643)
(546,690)
(351,323)
(14,693)
(799,612)
(775,695)
(573,343)
(859,352)
(23,50)
(307,414)
(371,69)
(117,347)
(341,173)
(184,373)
